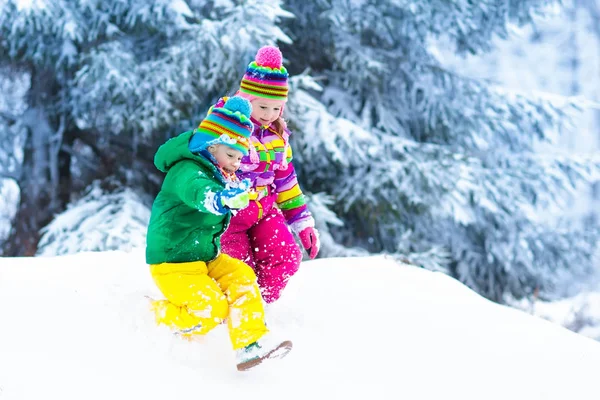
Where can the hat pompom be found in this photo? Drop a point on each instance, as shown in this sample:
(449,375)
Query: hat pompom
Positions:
(240,104)
(269,56)
(266,77)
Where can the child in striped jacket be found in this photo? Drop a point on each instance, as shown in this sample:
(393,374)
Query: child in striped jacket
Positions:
(259,234)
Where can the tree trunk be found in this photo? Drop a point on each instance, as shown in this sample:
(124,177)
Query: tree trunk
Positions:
(42,187)
(65,186)
(594,10)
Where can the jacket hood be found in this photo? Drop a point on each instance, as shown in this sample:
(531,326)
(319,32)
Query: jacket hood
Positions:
(176,149)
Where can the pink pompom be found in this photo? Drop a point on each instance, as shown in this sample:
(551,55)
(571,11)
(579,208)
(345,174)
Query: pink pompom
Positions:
(269,56)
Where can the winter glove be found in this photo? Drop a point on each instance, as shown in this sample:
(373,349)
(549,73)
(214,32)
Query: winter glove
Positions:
(237,201)
(310,241)
(235,195)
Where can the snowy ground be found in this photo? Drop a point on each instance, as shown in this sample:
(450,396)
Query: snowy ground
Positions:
(72,328)
(580,313)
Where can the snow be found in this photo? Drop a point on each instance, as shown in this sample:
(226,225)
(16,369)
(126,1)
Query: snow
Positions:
(98,221)
(580,313)
(29,4)
(9,200)
(76,327)
(543,67)
(182,8)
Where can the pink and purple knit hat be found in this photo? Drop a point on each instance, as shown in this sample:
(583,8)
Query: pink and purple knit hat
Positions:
(266,77)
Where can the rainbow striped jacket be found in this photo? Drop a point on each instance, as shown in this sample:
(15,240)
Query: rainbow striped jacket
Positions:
(271,171)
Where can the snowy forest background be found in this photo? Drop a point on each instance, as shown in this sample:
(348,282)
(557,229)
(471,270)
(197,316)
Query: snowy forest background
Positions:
(459,136)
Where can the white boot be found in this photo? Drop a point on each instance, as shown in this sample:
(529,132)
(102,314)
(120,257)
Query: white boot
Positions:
(265,348)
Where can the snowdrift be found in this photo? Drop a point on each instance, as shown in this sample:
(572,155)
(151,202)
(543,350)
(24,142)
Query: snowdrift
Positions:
(74,327)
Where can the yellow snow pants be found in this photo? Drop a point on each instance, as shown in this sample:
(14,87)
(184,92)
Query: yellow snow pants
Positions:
(200,295)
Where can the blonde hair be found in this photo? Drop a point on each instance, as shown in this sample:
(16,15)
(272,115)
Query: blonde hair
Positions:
(279,123)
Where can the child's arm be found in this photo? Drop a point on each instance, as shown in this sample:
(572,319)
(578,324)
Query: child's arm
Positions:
(198,190)
(293,206)
(290,198)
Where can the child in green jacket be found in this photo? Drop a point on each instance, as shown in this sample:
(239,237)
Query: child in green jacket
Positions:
(201,285)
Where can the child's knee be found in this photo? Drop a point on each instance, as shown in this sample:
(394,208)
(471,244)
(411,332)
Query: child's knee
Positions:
(273,282)
(238,270)
(244,272)
(284,261)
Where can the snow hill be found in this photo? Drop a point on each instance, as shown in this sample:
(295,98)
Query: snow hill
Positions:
(73,327)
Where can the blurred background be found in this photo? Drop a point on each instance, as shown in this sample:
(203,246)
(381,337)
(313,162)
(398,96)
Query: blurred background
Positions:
(462,137)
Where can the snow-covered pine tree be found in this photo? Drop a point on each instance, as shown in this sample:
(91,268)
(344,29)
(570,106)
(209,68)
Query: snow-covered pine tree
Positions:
(593,24)
(421,157)
(13,87)
(98,221)
(109,80)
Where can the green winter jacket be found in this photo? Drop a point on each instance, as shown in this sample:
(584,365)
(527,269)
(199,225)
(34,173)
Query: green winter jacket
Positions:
(184,224)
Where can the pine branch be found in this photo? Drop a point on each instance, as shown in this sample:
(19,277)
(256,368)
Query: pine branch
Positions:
(11,176)
(10,119)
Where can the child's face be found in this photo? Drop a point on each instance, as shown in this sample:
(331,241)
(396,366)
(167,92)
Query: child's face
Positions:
(228,158)
(266,111)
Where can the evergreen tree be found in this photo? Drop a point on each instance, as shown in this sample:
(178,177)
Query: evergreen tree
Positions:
(13,87)
(98,221)
(423,158)
(112,78)
(397,152)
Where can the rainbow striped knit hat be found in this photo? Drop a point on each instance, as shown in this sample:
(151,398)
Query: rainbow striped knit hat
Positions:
(229,125)
(266,77)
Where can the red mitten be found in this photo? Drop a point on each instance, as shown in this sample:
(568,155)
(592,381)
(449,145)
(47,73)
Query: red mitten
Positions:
(310,241)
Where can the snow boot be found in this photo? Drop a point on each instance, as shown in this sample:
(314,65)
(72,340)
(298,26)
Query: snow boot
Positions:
(266,348)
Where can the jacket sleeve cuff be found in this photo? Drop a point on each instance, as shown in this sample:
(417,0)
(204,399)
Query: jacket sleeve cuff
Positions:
(214,204)
(300,225)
